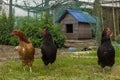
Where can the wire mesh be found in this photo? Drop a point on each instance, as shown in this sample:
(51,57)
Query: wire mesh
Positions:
(54,8)
(44,13)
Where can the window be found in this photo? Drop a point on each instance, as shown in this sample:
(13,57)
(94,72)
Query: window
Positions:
(69,28)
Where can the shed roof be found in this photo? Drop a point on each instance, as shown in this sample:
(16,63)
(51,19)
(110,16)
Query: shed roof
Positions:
(80,16)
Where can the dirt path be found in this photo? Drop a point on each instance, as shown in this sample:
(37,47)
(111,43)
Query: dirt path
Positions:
(8,52)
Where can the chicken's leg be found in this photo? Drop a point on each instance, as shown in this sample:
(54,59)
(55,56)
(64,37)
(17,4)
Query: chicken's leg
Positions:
(30,69)
(24,68)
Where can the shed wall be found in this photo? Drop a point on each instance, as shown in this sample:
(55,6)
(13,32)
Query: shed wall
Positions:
(85,31)
(68,19)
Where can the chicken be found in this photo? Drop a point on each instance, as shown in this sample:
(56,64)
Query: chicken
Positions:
(106,52)
(48,49)
(25,49)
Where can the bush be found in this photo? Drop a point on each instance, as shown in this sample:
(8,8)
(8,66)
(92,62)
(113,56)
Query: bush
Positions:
(32,29)
(58,37)
(117,39)
(6,26)
(54,29)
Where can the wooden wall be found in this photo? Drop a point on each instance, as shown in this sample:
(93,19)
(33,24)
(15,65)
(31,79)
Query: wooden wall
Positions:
(85,31)
(68,19)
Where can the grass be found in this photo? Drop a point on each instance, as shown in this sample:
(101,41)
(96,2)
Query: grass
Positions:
(66,67)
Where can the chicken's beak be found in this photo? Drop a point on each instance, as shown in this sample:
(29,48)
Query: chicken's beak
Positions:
(13,33)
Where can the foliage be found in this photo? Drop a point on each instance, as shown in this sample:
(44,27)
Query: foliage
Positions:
(58,38)
(6,26)
(66,67)
(32,28)
(54,29)
(117,39)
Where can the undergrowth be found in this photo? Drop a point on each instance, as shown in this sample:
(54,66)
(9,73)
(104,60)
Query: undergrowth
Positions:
(66,67)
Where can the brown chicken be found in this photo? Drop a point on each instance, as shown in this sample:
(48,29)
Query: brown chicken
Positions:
(25,49)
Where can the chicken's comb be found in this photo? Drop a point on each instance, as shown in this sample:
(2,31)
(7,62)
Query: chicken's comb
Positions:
(44,31)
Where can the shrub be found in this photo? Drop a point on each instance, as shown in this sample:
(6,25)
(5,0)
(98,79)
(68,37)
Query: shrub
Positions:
(54,29)
(6,26)
(32,29)
(117,39)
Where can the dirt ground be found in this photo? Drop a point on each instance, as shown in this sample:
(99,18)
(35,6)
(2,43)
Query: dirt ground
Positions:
(9,53)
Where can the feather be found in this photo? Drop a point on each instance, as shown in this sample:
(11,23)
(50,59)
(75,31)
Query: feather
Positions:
(106,52)
(48,49)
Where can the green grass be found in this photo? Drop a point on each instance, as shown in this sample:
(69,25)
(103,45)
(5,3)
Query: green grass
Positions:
(66,67)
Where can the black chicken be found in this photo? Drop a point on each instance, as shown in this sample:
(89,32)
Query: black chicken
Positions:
(48,49)
(106,52)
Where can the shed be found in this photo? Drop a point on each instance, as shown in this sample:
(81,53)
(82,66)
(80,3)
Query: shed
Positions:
(76,24)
